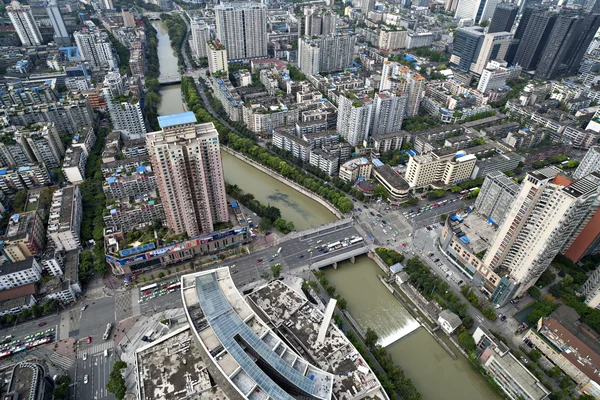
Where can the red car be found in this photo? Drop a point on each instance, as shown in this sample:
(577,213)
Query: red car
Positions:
(89,339)
(259,260)
(404,244)
(41,324)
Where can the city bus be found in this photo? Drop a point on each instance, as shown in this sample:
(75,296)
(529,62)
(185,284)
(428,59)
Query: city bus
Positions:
(356,240)
(174,286)
(107,331)
(149,287)
(279,251)
(333,245)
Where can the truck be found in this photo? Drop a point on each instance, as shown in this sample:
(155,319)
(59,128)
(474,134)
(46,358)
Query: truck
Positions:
(107,331)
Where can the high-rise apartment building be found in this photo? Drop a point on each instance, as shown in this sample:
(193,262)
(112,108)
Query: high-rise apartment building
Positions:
(389,109)
(242,28)
(589,164)
(567,44)
(187,164)
(546,212)
(95,48)
(217,56)
(22,19)
(398,77)
(368,5)
(496,196)
(503,18)
(319,22)
(354,118)
(42,143)
(61,35)
(200,35)
(123,106)
(326,53)
(536,31)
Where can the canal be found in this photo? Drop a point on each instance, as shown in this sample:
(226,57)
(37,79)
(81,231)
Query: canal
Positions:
(170,95)
(303,211)
(435,374)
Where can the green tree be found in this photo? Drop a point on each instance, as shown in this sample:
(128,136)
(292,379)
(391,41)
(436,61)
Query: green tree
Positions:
(535,355)
(534,292)
(276,270)
(455,189)
(61,392)
(443,217)
(465,340)
(342,303)
(116,383)
(371,338)
(380,191)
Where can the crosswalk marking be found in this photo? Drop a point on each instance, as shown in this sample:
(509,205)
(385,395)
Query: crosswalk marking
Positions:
(97,348)
(61,361)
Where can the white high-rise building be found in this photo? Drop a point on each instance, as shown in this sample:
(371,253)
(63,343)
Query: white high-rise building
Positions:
(388,111)
(476,10)
(395,76)
(546,212)
(354,118)
(242,28)
(217,57)
(189,173)
(493,47)
(200,35)
(61,35)
(95,48)
(589,164)
(22,19)
(123,106)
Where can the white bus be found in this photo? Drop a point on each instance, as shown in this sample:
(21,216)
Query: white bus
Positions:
(333,245)
(279,251)
(107,332)
(149,287)
(356,240)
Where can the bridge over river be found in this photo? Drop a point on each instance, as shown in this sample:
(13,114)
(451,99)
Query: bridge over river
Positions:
(169,80)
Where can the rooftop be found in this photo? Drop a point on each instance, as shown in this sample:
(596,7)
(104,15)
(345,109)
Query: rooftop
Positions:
(18,266)
(19,291)
(526,380)
(177,119)
(475,231)
(171,367)
(391,177)
(26,380)
(242,346)
(573,349)
(299,322)
(19,225)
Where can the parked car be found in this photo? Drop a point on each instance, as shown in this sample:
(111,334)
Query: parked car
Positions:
(89,339)
(84,307)
(84,356)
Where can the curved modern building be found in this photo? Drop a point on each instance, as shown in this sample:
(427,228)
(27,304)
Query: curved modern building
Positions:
(251,359)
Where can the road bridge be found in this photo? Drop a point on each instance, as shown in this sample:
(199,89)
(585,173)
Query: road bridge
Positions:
(169,80)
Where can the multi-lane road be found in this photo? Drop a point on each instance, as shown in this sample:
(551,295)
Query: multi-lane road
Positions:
(97,368)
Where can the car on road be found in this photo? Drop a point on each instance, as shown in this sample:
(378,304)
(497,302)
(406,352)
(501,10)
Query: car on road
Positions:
(85,379)
(359,209)
(271,259)
(460,282)
(301,255)
(84,307)
(84,356)
(259,260)
(89,339)
(41,324)
(319,241)
(436,260)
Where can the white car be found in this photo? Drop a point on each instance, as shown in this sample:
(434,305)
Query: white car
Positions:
(85,379)
(84,356)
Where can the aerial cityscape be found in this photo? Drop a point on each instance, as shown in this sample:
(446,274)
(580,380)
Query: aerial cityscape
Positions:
(300,199)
